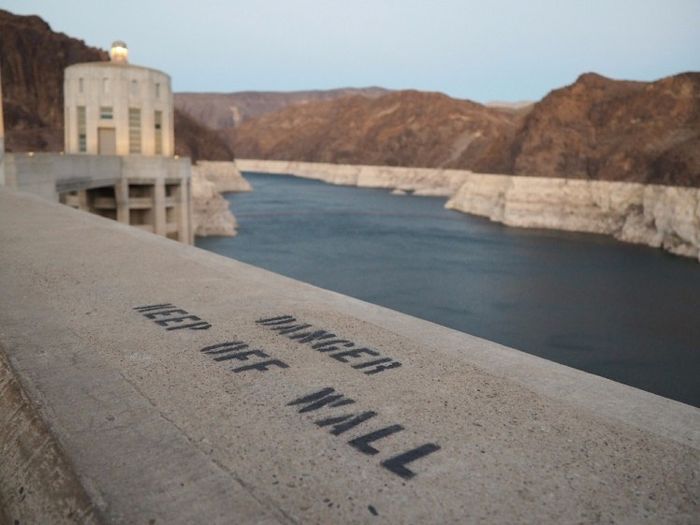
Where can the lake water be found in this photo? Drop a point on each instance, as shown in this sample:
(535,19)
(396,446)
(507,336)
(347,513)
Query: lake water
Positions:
(625,312)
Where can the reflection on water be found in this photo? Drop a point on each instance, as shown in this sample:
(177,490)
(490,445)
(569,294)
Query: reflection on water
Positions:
(625,312)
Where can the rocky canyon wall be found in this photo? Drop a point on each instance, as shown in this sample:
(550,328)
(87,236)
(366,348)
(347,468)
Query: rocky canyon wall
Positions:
(210,210)
(665,217)
(419,181)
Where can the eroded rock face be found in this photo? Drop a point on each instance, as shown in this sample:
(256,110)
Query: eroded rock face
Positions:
(211,214)
(654,215)
(224,175)
(210,211)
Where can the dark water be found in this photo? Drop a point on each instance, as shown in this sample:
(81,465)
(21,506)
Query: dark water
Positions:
(625,312)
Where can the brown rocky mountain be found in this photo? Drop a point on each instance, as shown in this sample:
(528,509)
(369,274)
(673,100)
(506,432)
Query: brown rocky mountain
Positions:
(595,128)
(401,128)
(194,140)
(227,110)
(33,58)
(599,128)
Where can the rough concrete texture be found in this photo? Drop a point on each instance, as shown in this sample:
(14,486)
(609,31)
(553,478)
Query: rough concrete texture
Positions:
(47,174)
(37,482)
(157,429)
(148,191)
(120,87)
(665,217)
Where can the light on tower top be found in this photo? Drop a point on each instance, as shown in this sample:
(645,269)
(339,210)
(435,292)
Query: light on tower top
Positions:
(119,52)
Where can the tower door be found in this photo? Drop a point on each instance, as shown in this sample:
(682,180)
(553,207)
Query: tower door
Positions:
(106,141)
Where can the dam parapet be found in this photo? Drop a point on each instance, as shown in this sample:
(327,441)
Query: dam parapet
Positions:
(180,386)
(149,192)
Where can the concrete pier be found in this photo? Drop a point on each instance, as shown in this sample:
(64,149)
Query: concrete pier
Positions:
(147,381)
(150,192)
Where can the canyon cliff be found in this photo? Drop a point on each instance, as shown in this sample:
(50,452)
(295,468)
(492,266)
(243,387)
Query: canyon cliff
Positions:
(401,128)
(603,129)
(595,129)
(33,58)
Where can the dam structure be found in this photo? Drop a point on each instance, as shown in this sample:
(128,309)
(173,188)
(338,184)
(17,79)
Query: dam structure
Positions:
(119,150)
(147,381)
(179,386)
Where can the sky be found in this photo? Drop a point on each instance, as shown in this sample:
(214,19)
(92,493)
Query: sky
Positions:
(483,50)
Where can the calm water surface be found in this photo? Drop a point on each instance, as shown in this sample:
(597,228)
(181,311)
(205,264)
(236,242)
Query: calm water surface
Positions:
(621,311)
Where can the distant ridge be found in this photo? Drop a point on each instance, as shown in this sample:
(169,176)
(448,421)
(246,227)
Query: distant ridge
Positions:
(597,128)
(227,110)
(400,128)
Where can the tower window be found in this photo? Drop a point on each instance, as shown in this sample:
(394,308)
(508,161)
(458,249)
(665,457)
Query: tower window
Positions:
(157,90)
(134,130)
(158,121)
(134,87)
(105,85)
(82,136)
(80,85)
(106,112)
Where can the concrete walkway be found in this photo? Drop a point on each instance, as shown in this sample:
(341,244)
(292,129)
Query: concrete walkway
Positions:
(145,381)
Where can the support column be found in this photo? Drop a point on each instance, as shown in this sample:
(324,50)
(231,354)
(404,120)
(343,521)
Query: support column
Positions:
(159,225)
(188,206)
(121,197)
(183,205)
(83,204)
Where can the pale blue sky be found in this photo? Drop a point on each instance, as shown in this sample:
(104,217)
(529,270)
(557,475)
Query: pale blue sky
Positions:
(482,50)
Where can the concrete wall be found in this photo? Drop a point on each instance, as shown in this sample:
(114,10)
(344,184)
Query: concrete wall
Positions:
(48,174)
(119,86)
(185,387)
(153,193)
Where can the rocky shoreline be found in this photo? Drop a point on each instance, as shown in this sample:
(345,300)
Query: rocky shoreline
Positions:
(210,211)
(666,217)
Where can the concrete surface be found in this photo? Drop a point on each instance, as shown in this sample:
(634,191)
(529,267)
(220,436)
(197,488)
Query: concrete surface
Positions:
(151,192)
(224,408)
(50,174)
(118,87)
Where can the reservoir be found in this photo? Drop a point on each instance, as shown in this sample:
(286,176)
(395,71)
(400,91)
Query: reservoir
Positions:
(628,313)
